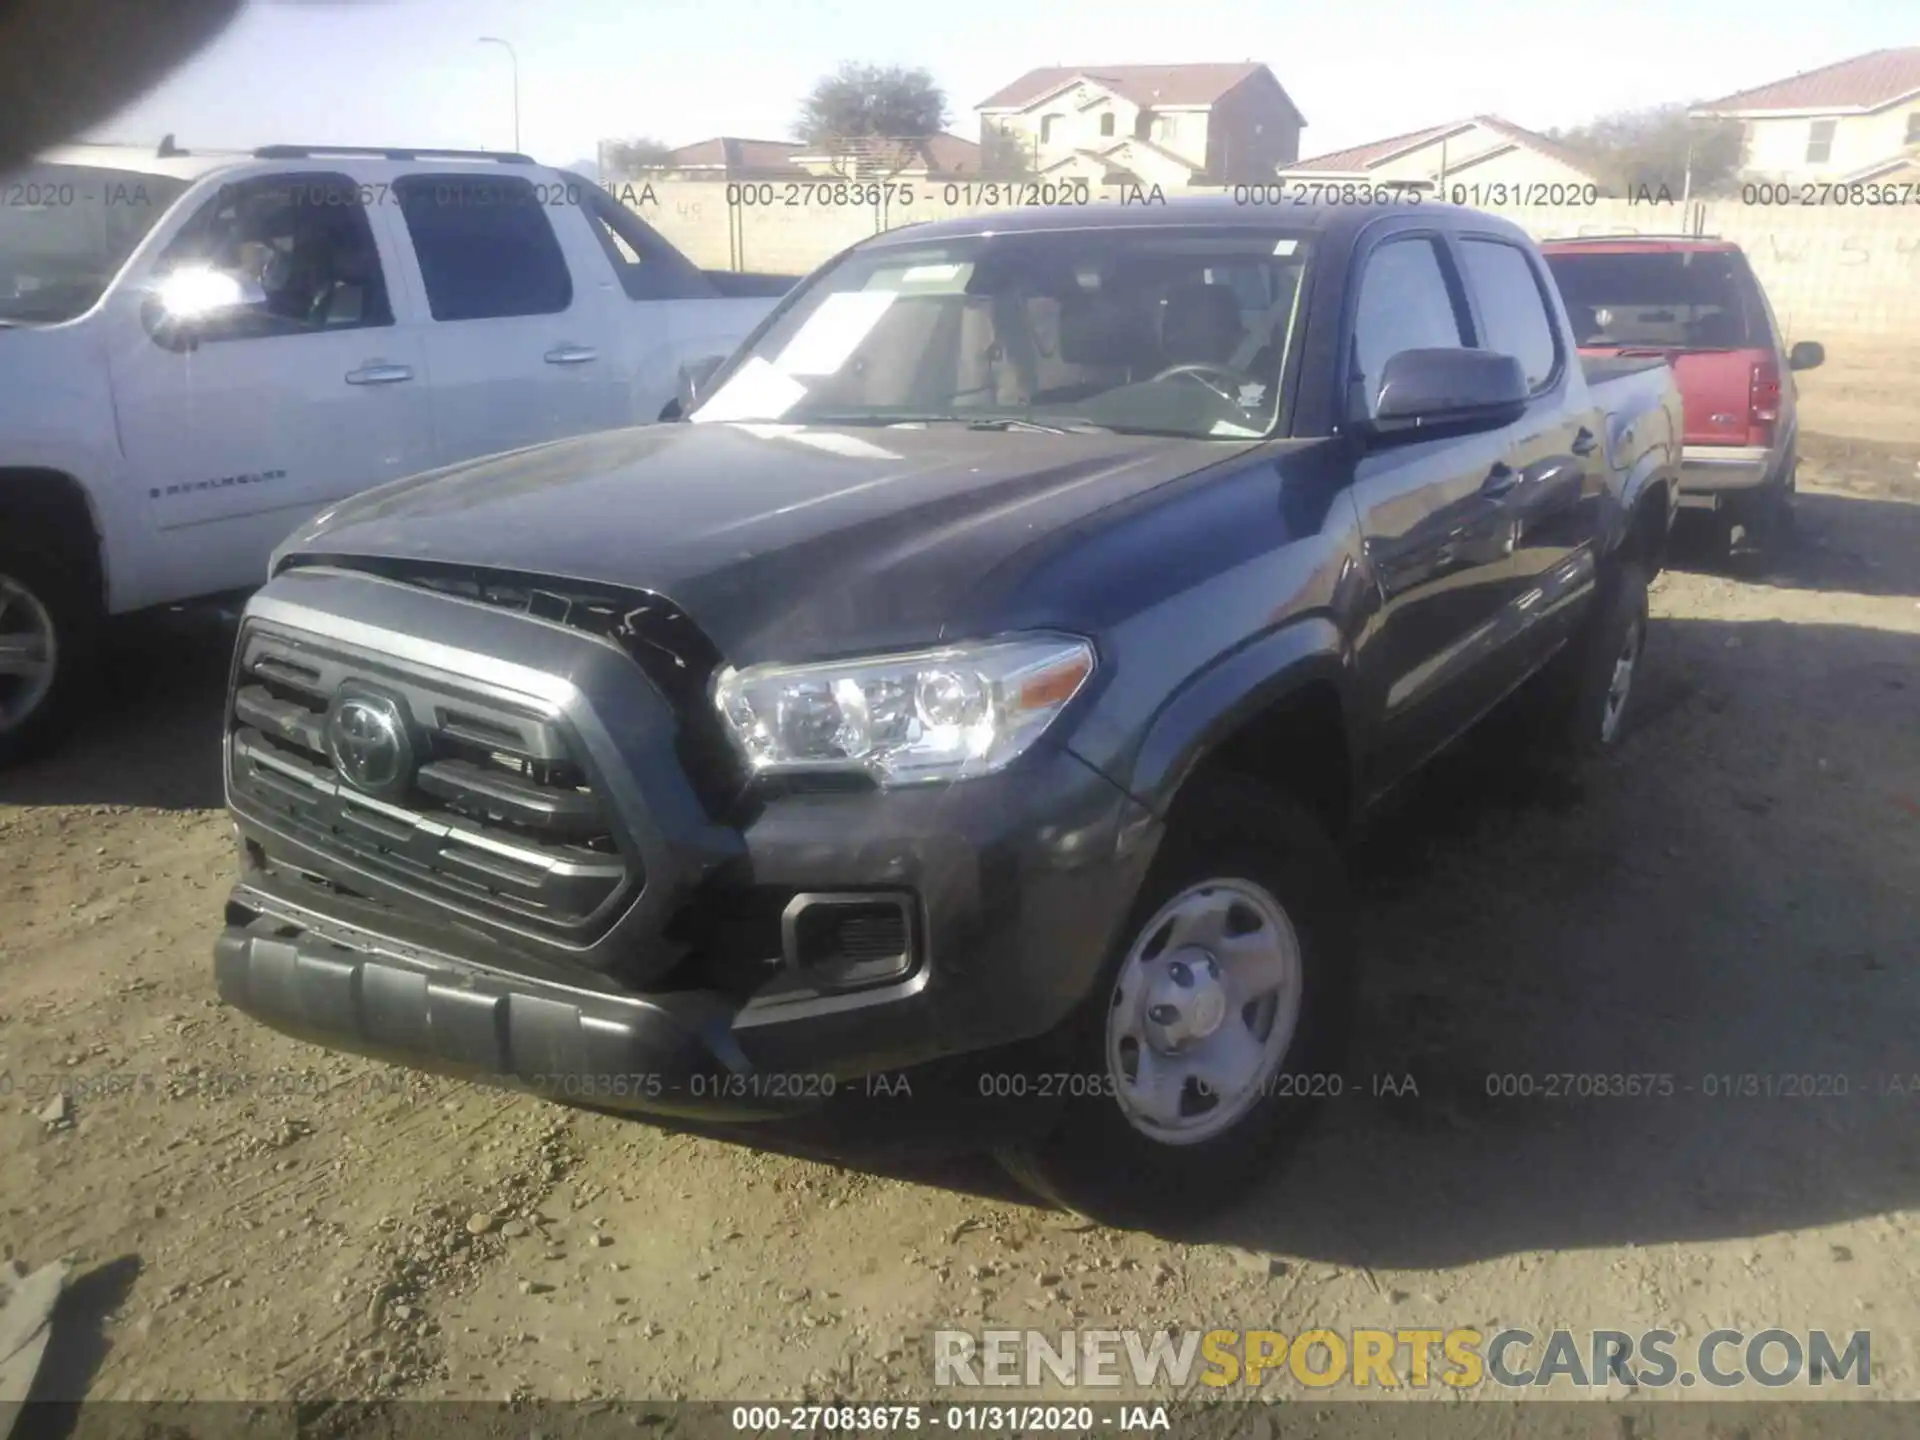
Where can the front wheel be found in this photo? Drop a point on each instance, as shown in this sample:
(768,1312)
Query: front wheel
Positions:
(47,628)
(1221,1021)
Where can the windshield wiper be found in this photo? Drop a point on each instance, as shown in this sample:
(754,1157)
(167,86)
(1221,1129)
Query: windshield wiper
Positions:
(1070,427)
(972,422)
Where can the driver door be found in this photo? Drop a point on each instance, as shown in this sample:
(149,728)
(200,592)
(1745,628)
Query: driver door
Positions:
(278,409)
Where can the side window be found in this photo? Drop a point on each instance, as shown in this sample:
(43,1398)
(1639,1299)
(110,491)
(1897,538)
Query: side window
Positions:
(1405,303)
(487,250)
(1512,308)
(304,240)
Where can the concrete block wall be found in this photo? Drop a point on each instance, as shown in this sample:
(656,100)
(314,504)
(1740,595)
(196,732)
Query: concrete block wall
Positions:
(1834,272)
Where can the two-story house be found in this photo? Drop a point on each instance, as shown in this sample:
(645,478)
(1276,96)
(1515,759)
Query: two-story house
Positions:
(1150,124)
(1482,153)
(1855,120)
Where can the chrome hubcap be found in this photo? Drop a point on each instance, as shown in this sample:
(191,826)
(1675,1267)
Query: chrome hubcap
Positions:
(1620,685)
(28,653)
(1203,1011)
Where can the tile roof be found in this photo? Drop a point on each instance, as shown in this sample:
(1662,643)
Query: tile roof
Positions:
(1864,83)
(733,153)
(1362,157)
(1356,159)
(1142,84)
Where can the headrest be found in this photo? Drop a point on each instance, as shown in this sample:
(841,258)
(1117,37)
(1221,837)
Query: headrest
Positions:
(1201,324)
(1097,331)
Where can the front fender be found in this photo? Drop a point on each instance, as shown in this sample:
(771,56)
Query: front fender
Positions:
(56,414)
(1218,699)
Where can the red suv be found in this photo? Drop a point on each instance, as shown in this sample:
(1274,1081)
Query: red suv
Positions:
(1696,302)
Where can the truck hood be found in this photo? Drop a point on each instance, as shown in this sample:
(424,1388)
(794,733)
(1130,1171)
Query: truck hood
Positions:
(780,541)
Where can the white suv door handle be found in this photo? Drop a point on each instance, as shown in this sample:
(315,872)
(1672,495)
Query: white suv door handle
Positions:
(379,374)
(571,355)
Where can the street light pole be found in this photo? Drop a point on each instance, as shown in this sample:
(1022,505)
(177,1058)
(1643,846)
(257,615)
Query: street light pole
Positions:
(515,59)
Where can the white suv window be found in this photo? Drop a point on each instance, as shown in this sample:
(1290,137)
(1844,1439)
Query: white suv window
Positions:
(304,239)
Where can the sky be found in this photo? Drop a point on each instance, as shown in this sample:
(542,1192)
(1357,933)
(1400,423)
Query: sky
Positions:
(411,72)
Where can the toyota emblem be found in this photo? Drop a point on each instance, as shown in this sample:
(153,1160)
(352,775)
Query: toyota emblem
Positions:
(368,742)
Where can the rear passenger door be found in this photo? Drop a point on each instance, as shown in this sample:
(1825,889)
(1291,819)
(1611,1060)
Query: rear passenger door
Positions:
(517,350)
(1434,538)
(1555,453)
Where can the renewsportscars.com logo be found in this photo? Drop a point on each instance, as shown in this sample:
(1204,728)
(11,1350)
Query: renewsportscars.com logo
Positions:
(1366,1359)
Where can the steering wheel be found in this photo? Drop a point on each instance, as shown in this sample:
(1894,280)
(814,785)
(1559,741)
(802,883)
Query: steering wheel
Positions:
(1199,372)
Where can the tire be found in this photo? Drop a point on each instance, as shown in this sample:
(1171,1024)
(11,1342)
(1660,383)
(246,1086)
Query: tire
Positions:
(1587,689)
(1238,851)
(46,614)
(1768,517)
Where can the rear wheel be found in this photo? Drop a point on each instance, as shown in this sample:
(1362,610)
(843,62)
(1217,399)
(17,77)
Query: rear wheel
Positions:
(1585,693)
(48,624)
(1221,1021)
(1768,515)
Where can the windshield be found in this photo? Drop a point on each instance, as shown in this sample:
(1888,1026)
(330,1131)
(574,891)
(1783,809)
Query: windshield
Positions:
(1689,300)
(65,231)
(1156,331)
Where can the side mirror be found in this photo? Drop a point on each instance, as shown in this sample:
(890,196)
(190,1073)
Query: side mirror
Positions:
(1422,391)
(1807,355)
(187,303)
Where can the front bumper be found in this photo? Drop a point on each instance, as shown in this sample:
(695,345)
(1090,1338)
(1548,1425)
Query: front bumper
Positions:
(1019,884)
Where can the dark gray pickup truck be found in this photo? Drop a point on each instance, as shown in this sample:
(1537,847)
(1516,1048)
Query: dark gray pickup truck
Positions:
(991,664)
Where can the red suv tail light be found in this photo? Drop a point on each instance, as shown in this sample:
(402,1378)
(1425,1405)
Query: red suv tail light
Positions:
(1763,402)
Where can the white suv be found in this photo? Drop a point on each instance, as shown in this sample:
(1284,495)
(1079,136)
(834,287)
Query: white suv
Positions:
(199,352)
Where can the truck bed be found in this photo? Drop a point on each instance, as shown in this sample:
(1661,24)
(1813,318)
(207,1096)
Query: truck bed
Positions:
(1601,369)
(741,284)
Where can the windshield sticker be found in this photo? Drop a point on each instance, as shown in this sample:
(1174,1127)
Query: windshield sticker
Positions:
(1285,247)
(1251,396)
(756,392)
(930,274)
(832,331)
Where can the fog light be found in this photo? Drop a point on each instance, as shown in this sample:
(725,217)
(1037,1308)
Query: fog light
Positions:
(845,941)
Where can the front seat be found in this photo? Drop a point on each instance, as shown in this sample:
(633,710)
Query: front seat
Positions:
(1200,325)
(351,296)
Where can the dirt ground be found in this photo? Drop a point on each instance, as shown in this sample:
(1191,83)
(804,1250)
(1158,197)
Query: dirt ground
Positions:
(1736,892)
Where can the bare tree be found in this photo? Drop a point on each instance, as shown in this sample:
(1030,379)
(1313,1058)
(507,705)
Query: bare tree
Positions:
(871,102)
(1004,155)
(1646,150)
(630,157)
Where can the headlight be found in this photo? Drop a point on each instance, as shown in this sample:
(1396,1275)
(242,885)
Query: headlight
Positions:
(932,715)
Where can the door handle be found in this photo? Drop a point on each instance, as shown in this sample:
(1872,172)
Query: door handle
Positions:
(571,355)
(379,374)
(1585,442)
(1500,479)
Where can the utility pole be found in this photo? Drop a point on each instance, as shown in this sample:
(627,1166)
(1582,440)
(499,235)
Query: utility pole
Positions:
(515,60)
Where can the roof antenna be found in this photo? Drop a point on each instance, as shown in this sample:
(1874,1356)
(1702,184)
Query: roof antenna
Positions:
(168,148)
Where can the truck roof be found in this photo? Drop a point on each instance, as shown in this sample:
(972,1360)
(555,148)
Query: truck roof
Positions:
(163,159)
(1335,221)
(1639,245)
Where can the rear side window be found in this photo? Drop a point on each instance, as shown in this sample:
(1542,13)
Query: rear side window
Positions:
(1405,303)
(647,267)
(1683,299)
(1511,308)
(486,248)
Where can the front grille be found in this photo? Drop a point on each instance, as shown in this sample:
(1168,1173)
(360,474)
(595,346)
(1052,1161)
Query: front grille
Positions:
(671,651)
(496,815)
